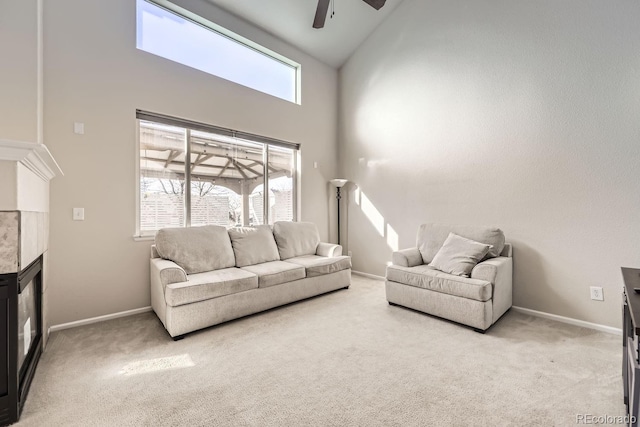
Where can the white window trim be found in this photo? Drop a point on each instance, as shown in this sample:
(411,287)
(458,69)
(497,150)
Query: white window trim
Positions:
(140,236)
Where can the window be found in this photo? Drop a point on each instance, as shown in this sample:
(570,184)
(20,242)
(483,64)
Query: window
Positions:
(196,174)
(171,32)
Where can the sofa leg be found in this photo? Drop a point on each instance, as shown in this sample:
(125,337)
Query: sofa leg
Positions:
(392,303)
(480,331)
(178,337)
(346,287)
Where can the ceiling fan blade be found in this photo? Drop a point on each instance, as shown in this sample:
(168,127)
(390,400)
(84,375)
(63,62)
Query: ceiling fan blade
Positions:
(376,4)
(321,13)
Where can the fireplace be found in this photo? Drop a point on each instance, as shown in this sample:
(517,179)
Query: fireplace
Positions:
(26,169)
(20,337)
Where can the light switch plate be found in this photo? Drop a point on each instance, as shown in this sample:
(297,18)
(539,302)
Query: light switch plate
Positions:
(78,214)
(78,128)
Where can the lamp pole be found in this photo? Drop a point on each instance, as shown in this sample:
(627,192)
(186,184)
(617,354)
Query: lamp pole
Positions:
(338,199)
(338,183)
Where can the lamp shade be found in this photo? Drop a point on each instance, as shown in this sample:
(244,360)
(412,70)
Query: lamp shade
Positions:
(339,182)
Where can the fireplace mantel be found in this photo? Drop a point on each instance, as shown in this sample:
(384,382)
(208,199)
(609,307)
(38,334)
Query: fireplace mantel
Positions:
(25,171)
(35,157)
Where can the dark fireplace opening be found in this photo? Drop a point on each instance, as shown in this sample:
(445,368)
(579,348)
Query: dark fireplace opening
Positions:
(20,337)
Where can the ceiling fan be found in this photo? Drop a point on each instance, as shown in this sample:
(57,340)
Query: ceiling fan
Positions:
(323,8)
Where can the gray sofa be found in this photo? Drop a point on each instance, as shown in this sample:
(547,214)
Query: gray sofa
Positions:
(203,276)
(478,300)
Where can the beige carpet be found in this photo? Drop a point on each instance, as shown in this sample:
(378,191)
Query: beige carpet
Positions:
(343,359)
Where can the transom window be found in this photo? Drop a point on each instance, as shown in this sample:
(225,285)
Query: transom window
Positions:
(174,33)
(195,174)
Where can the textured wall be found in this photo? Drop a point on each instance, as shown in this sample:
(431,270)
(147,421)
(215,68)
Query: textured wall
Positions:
(19,70)
(511,113)
(94,74)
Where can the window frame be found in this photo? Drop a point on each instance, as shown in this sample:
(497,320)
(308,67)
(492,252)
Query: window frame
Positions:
(237,38)
(190,126)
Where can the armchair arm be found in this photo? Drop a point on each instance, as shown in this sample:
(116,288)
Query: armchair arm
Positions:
(498,271)
(407,257)
(328,249)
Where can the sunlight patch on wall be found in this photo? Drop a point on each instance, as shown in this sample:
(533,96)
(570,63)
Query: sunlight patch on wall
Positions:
(392,238)
(372,214)
(159,364)
(382,227)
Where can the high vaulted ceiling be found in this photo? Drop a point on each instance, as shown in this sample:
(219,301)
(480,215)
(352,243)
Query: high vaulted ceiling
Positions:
(291,20)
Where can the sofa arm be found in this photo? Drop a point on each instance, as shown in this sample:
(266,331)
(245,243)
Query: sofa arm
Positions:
(407,257)
(498,271)
(328,249)
(167,272)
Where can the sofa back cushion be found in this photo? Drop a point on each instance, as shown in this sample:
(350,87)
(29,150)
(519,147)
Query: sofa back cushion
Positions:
(196,249)
(296,238)
(431,237)
(253,245)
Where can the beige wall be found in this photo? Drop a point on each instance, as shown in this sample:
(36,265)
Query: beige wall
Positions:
(511,113)
(95,75)
(19,70)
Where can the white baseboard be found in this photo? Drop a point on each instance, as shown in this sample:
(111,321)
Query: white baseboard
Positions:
(370,276)
(98,319)
(569,320)
(542,314)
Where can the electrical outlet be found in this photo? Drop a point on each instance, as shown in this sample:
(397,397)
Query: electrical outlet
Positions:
(596,293)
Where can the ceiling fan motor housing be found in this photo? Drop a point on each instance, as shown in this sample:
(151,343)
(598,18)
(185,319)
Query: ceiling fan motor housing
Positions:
(323,8)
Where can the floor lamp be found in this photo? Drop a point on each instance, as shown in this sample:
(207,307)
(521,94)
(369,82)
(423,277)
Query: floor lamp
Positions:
(338,183)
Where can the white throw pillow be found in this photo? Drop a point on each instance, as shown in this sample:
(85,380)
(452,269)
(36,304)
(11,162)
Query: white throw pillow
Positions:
(431,237)
(458,255)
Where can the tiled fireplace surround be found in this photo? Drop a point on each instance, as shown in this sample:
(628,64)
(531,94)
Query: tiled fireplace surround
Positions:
(24,236)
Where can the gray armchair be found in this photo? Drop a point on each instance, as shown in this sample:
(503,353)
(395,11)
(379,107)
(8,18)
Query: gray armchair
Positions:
(477,299)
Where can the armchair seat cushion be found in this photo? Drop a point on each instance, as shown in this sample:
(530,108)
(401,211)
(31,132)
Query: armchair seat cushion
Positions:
(426,277)
(211,284)
(319,265)
(275,272)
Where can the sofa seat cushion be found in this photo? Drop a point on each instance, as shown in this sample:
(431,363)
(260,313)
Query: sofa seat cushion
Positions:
(212,284)
(275,272)
(253,245)
(296,238)
(196,249)
(320,265)
(426,277)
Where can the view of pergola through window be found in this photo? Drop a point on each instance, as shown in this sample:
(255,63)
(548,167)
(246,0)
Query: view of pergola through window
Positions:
(225,176)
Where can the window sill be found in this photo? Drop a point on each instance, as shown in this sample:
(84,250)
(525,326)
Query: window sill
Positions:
(144,238)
